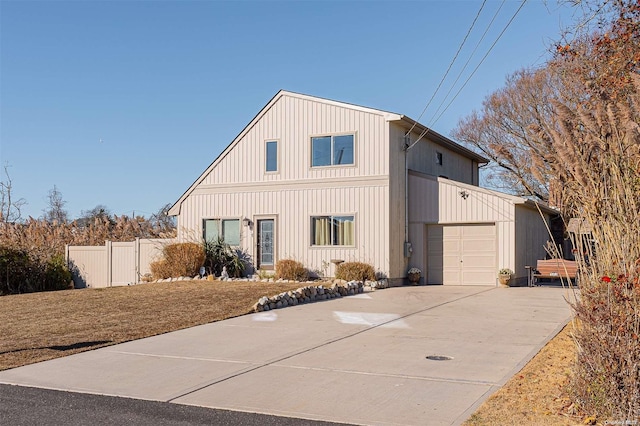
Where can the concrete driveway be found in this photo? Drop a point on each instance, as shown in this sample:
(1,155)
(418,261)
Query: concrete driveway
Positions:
(360,359)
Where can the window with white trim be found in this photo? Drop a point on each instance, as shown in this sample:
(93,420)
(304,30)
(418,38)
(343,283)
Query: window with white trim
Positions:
(271,164)
(332,231)
(332,150)
(229,229)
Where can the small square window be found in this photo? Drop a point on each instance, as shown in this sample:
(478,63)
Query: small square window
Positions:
(439,158)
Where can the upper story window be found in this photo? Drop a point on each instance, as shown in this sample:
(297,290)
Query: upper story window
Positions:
(439,158)
(271,156)
(332,150)
(229,229)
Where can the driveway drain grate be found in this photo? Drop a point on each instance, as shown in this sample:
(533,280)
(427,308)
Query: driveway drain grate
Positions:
(439,358)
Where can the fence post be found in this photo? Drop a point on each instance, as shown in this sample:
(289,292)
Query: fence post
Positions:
(137,257)
(107,244)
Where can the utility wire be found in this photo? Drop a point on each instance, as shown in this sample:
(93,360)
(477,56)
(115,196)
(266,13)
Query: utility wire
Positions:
(448,69)
(482,60)
(495,15)
(424,132)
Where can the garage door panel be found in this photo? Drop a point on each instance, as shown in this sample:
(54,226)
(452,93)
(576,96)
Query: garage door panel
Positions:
(479,262)
(461,254)
(451,231)
(451,246)
(477,245)
(449,261)
(478,230)
(451,277)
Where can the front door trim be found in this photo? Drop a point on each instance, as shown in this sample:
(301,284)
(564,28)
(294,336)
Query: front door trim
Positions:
(259,220)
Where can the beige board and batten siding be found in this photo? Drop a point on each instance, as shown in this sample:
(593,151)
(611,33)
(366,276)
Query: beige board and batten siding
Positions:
(293,208)
(420,158)
(480,207)
(292,121)
(531,237)
(237,186)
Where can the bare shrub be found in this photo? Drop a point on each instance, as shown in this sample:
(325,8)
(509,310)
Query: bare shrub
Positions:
(160,269)
(45,240)
(289,269)
(179,260)
(355,271)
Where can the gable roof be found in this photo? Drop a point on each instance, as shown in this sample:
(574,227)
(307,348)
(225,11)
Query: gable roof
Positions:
(389,116)
(515,199)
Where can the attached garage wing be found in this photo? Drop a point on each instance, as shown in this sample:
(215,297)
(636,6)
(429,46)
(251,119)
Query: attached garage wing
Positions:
(461,254)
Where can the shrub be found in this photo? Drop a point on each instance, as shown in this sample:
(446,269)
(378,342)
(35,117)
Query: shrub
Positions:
(219,254)
(355,271)
(16,271)
(57,275)
(32,252)
(289,269)
(160,269)
(22,273)
(179,260)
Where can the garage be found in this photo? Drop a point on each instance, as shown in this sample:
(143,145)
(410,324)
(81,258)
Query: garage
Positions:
(471,233)
(461,254)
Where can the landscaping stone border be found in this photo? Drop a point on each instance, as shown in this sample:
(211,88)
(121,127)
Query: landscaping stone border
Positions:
(308,294)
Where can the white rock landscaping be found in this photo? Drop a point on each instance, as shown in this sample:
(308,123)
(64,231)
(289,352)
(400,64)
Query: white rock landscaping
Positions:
(308,294)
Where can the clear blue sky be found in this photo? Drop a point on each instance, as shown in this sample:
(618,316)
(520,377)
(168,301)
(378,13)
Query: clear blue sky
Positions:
(166,85)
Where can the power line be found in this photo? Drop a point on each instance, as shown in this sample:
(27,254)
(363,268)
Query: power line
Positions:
(495,15)
(448,69)
(482,60)
(424,132)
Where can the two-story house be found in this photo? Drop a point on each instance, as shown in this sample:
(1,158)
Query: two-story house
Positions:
(322,181)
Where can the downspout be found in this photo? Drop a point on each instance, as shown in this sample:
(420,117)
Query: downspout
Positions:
(407,146)
(407,245)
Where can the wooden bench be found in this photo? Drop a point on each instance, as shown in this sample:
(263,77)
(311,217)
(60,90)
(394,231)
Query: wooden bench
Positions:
(553,269)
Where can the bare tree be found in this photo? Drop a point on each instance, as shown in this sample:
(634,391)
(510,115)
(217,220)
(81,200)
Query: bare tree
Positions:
(161,221)
(572,130)
(10,207)
(55,212)
(100,211)
(507,131)
(523,127)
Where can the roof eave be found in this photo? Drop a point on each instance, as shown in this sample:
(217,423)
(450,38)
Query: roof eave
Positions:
(441,139)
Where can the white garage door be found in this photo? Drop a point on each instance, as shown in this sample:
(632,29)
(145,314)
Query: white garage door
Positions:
(461,254)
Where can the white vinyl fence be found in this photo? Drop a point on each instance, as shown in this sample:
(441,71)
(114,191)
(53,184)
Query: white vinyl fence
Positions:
(114,263)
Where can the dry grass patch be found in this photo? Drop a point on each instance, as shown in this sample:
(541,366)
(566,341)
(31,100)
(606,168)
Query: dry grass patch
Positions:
(40,326)
(537,395)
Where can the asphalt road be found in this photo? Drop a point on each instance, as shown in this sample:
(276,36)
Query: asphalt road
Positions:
(33,406)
